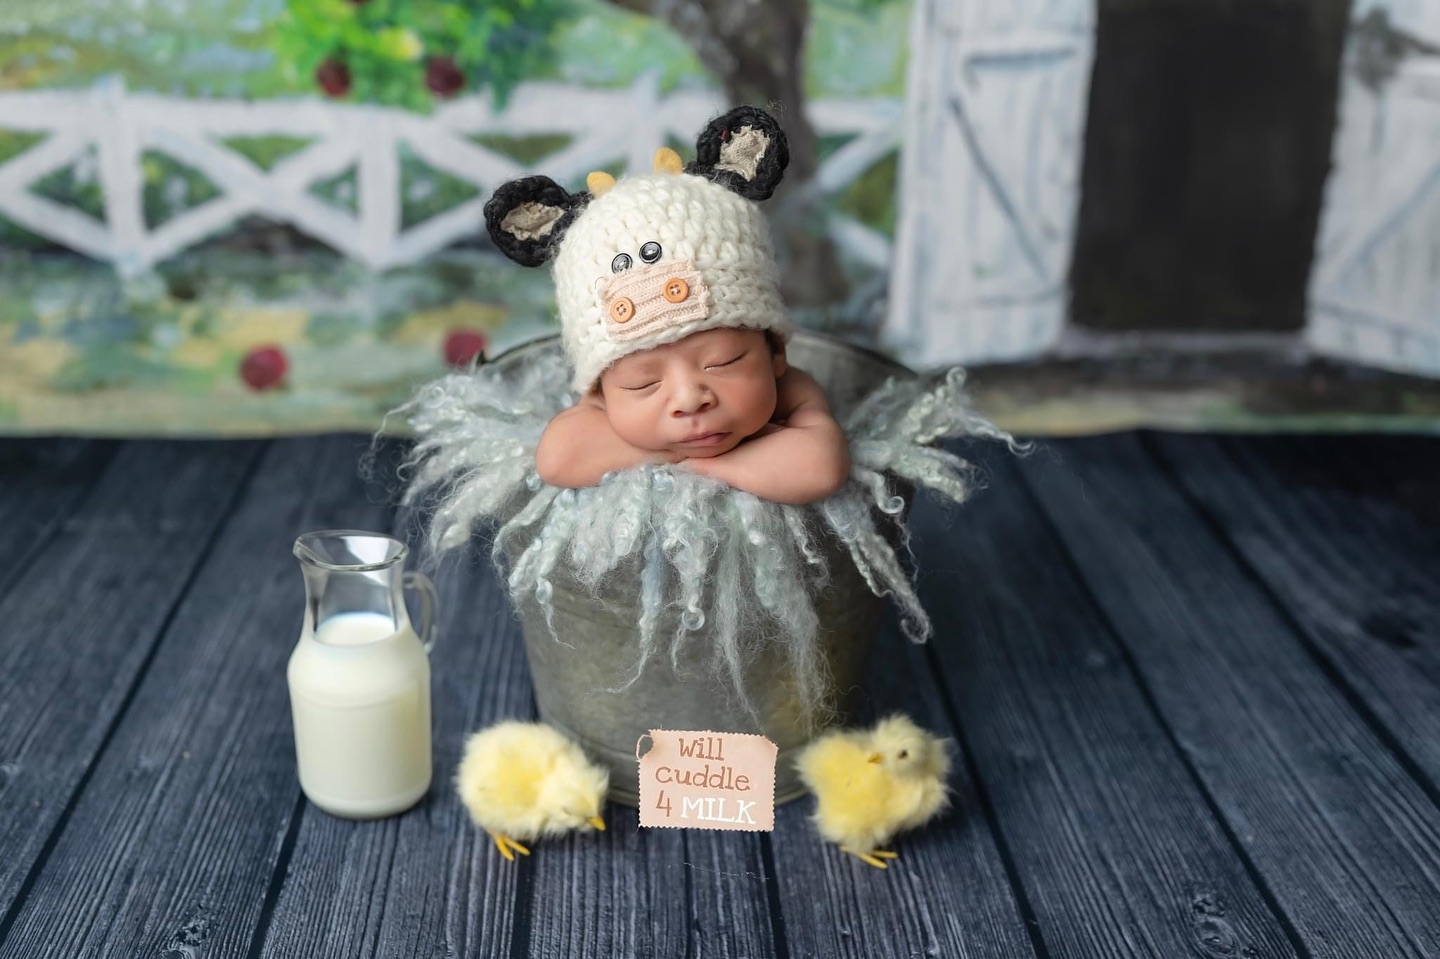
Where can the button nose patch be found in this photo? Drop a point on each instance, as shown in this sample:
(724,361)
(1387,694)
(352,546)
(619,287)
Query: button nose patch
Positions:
(676,290)
(644,300)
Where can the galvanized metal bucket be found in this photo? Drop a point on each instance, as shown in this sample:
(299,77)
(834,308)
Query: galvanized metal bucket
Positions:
(575,677)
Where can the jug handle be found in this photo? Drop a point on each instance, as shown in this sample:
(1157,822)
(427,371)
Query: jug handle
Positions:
(422,585)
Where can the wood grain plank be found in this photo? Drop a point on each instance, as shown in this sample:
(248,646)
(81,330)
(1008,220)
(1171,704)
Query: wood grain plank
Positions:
(41,480)
(649,892)
(83,616)
(1345,840)
(949,893)
(425,883)
(172,845)
(729,894)
(621,893)
(1345,531)
(1116,845)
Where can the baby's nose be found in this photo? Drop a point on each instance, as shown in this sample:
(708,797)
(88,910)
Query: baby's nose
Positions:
(691,397)
(642,300)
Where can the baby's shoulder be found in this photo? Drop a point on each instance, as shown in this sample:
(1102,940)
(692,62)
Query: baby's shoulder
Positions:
(593,400)
(796,389)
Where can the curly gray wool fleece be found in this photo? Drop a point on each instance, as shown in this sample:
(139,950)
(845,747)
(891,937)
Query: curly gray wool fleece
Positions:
(474,462)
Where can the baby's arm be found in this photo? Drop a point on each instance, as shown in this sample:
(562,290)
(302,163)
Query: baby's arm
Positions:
(579,446)
(803,460)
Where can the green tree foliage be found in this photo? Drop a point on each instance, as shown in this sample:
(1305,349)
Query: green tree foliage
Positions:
(408,53)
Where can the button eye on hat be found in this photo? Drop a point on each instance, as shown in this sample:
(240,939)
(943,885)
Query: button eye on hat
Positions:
(621,263)
(650,252)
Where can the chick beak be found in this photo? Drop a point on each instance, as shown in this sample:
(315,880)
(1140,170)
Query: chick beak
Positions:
(597,822)
(874,758)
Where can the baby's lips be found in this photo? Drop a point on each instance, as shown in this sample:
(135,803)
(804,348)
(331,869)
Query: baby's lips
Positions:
(715,437)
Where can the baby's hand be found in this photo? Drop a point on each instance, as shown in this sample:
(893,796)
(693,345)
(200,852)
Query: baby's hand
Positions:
(809,463)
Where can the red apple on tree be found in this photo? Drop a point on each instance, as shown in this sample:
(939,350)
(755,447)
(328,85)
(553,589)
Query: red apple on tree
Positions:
(464,345)
(264,367)
(443,76)
(334,77)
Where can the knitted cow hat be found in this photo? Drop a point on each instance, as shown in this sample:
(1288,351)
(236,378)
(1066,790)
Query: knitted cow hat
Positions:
(648,260)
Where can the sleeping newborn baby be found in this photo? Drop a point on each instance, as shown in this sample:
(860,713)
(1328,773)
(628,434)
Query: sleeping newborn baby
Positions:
(672,321)
(721,402)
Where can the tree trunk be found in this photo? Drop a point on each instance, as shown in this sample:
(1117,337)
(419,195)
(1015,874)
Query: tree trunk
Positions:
(756,49)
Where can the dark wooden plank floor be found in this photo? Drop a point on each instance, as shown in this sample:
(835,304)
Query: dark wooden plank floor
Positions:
(1193,685)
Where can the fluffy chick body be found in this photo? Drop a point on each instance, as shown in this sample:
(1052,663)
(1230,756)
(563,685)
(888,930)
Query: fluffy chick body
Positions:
(871,784)
(526,781)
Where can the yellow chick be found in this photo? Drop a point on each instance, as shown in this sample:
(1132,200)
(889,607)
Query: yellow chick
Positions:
(871,784)
(524,781)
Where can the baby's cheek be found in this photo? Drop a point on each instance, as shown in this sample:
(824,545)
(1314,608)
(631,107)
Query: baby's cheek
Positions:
(635,426)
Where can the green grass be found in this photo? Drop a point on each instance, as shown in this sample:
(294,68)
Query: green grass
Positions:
(525,150)
(265,152)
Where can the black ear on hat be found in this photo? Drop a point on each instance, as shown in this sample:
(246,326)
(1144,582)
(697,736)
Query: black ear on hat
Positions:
(744,150)
(527,217)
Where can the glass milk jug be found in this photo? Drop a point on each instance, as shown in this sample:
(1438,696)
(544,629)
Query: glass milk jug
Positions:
(360,676)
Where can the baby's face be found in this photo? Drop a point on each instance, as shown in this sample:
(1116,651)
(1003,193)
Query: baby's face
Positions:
(698,397)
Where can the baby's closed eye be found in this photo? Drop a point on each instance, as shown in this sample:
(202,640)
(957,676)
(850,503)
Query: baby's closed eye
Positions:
(732,360)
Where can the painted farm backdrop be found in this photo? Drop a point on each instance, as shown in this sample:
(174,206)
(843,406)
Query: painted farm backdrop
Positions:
(256,216)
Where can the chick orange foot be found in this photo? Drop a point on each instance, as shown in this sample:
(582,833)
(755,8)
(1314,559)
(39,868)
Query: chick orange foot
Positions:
(875,857)
(505,844)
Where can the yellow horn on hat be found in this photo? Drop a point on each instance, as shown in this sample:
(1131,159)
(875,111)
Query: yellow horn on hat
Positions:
(668,161)
(598,182)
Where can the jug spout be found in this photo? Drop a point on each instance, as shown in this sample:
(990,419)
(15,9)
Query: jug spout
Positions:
(350,550)
(352,572)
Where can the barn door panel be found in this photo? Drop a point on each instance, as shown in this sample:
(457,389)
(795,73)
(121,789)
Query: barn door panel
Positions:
(990,174)
(1375,286)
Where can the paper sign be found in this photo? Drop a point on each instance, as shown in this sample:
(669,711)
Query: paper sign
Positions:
(707,780)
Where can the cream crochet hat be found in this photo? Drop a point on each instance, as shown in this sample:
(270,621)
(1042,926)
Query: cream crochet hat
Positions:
(648,260)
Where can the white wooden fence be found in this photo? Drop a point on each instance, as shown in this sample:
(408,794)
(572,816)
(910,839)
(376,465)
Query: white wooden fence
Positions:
(605,126)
